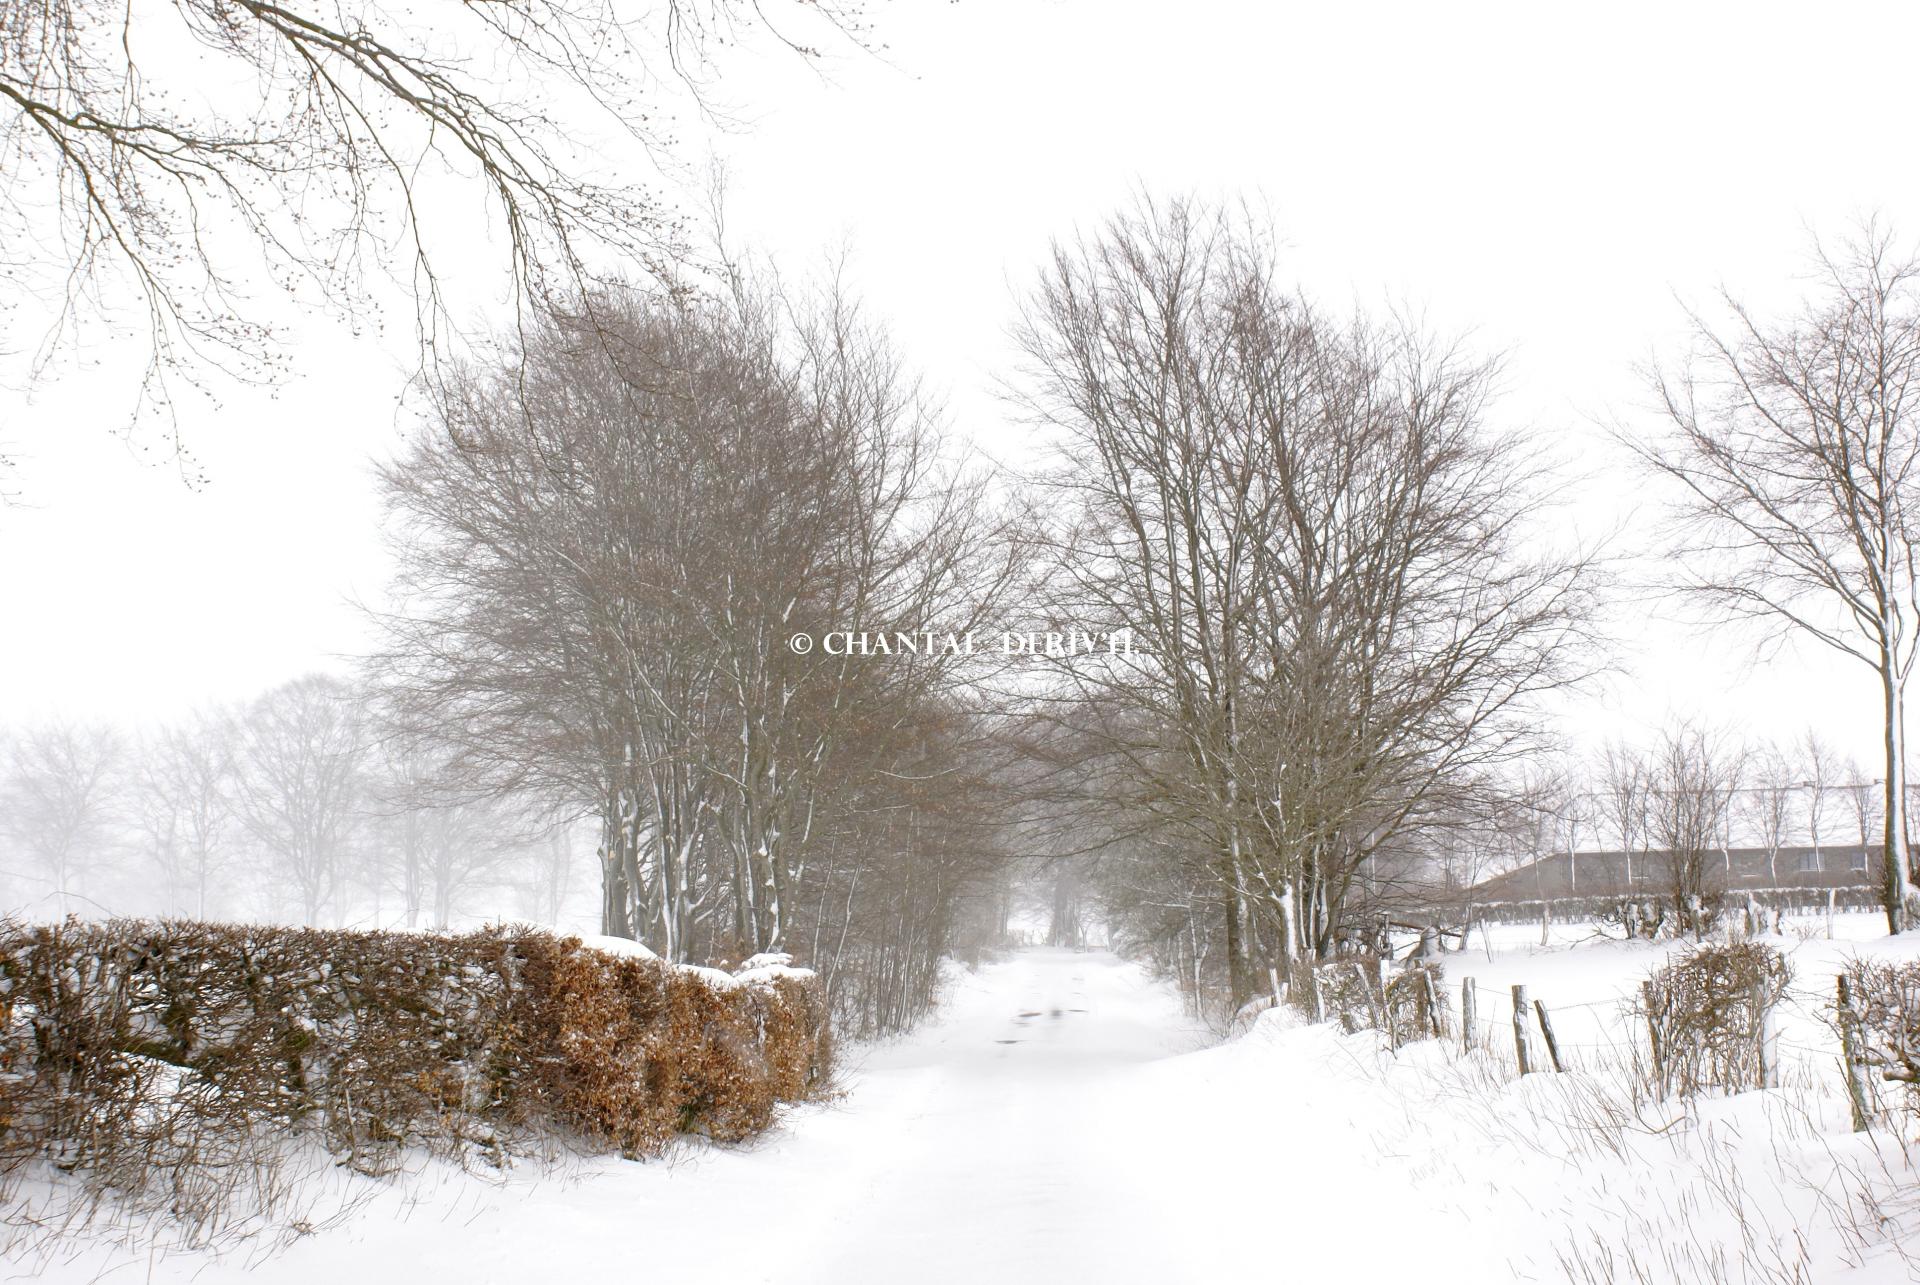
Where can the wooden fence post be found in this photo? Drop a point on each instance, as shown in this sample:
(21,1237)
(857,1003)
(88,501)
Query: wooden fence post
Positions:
(1379,990)
(1766,1050)
(1546,1029)
(1522,1046)
(1433,1005)
(1653,1037)
(1469,1013)
(1851,1054)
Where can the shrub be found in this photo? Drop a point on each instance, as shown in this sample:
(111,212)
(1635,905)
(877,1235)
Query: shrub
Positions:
(1415,1007)
(1708,1015)
(1886,1021)
(151,1056)
(1644,918)
(1364,992)
(1344,990)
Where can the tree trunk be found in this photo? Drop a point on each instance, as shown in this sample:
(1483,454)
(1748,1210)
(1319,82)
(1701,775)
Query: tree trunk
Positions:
(1237,988)
(616,897)
(1894,873)
(1287,929)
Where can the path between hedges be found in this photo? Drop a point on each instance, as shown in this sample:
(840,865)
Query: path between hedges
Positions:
(1054,1123)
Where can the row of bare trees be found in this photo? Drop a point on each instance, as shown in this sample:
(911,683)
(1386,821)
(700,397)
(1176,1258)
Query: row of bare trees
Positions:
(1698,786)
(1767,796)
(1681,820)
(1347,605)
(624,549)
(299,806)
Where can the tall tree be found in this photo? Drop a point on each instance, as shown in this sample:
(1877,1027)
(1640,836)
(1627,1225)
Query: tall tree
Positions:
(429,839)
(1825,774)
(1625,796)
(184,793)
(1767,802)
(58,793)
(1796,450)
(1319,547)
(1692,776)
(301,785)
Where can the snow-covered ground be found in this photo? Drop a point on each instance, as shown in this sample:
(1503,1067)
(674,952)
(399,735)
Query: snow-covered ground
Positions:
(1063,1121)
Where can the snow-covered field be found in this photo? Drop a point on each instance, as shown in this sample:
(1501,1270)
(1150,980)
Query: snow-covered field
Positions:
(1755,1187)
(1063,1121)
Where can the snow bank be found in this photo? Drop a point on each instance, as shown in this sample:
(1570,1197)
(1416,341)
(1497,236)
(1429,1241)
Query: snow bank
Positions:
(757,970)
(625,947)
(772,967)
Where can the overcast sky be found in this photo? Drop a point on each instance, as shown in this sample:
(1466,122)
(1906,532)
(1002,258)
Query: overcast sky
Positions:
(1554,181)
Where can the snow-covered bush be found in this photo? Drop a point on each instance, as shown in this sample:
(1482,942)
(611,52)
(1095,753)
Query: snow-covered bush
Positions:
(1886,1016)
(1707,1014)
(152,1058)
(630,1051)
(1696,915)
(1343,990)
(1636,919)
(1363,992)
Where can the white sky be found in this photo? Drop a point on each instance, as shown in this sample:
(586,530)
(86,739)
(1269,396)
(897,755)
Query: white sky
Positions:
(1550,178)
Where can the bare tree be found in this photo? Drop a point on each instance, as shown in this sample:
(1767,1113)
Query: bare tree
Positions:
(301,785)
(1861,793)
(1692,778)
(57,799)
(1316,542)
(352,139)
(1625,791)
(546,877)
(1797,450)
(1825,773)
(1537,803)
(1533,813)
(1774,782)
(184,803)
(430,839)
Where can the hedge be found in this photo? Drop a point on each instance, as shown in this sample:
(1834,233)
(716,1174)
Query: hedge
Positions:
(146,1053)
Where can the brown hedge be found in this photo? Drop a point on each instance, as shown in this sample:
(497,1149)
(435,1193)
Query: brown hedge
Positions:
(133,1048)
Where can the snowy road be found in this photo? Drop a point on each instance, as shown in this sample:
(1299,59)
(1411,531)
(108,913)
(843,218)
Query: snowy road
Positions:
(1054,1123)
(1004,1143)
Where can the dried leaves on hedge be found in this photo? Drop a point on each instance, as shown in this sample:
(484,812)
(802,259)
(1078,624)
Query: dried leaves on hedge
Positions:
(147,1055)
